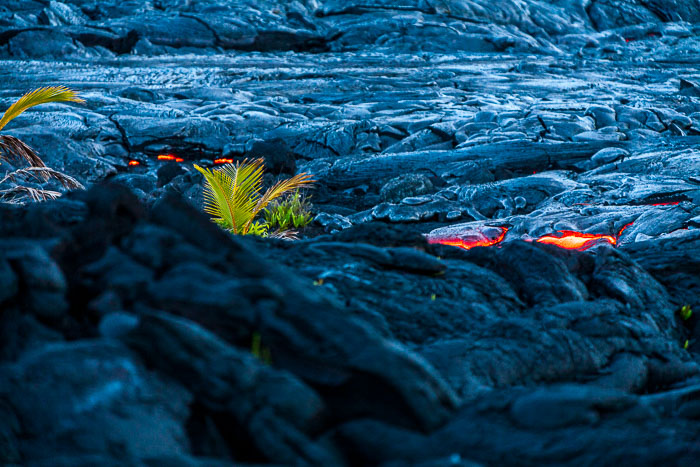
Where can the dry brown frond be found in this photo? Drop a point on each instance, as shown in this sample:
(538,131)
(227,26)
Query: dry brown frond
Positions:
(17,193)
(14,148)
(285,234)
(44,173)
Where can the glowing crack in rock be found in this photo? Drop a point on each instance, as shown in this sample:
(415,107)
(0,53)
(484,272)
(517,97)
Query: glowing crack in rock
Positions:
(134,163)
(170,157)
(619,234)
(223,161)
(488,236)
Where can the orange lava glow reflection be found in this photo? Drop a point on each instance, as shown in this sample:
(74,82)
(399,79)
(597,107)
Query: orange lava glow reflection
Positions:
(170,157)
(471,243)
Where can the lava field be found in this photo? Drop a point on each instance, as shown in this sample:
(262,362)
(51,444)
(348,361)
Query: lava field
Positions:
(503,266)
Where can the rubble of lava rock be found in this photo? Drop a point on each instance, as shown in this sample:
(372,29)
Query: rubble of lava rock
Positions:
(507,227)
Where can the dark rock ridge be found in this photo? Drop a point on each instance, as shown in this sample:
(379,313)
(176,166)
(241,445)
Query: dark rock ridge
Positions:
(132,326)
(134,332)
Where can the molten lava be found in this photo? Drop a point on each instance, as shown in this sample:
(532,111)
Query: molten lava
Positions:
(490,236)
(170,157)
(619,234)
(223,161)
(572,240)
(468,243)
(667,203)
(133,163)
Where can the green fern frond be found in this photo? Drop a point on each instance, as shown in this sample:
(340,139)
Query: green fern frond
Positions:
(39,96)
(291,212)
(280,188)
(259,228)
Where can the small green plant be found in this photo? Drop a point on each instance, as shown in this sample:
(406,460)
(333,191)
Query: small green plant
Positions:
(291,212)
(258,350)
(685,312)
(13,149)
(233,195)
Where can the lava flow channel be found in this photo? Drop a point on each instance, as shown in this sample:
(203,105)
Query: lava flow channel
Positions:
(170,157)
(666,203)
(572,240)
(493,236)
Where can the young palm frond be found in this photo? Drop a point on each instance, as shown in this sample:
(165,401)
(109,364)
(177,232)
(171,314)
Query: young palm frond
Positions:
(12,148)
(39,96)
(232,195)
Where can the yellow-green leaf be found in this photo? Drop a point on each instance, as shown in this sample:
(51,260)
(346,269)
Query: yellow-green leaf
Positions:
(232,195)
(37,97)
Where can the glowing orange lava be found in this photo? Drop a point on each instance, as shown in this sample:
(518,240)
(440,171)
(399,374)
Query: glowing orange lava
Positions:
(468,243)
(490,236)
(223,161)
(572,240)
(667,203)
(619,234)
(170,157)
(132,163)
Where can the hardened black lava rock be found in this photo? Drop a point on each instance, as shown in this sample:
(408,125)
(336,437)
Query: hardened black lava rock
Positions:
(134,331)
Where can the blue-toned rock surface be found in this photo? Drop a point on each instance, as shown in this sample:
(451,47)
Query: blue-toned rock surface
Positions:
(133,331)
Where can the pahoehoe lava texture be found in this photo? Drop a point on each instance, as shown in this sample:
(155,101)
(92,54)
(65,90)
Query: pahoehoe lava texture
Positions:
(521,126)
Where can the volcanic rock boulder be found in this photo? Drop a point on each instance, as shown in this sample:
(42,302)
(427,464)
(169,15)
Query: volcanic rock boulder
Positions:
(340,367)
(92,395)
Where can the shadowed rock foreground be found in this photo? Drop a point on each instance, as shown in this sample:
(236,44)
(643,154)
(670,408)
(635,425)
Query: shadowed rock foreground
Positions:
(512,128)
